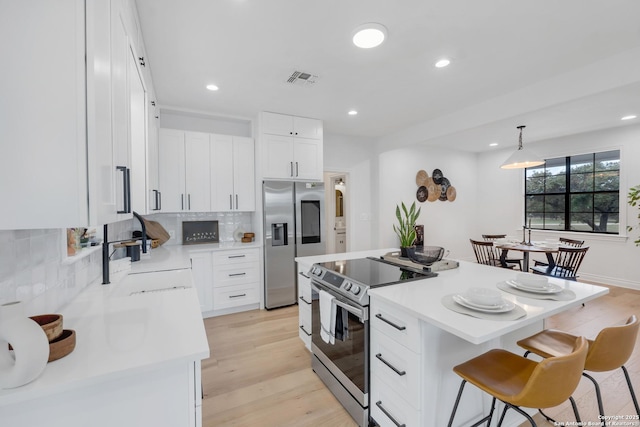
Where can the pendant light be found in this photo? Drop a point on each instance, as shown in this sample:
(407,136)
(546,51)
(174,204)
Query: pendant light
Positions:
(522,158)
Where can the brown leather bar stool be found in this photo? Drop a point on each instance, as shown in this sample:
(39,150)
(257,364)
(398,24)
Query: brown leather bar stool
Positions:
(609,351)
(521,382)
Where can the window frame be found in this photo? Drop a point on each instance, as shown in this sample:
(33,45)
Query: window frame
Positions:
(567,215)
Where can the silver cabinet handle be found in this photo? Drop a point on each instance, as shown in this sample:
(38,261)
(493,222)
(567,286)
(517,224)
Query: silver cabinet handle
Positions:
(237,274)
(303,275)
(304,300)
(237,296)
(384,411)
(304,330)
(236,256)
(236,201)
(230,201)
(291,168)
(182,202)
(296,168)
(396,370)
(189,200)
(400,328)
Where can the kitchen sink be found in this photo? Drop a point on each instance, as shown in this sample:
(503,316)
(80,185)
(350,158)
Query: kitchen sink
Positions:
(148,283)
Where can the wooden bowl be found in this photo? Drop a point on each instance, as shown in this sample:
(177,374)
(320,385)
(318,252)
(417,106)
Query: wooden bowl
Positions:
(246,240)
(51,324)
(250,235)
(62,345)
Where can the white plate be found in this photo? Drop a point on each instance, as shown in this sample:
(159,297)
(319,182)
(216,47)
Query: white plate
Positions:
(550,288)
(503,308)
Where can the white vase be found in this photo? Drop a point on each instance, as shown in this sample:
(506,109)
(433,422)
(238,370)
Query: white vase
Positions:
(30,347)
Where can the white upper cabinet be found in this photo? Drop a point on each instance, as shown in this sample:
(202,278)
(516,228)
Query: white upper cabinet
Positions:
(232,174)
(244,174)
(282,124)
(292,147)
(65,120)
(198,173)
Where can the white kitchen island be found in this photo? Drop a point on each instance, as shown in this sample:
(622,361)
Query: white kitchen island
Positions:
(136,361)
(413,332)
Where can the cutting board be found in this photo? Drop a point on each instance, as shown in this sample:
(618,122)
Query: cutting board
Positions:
(156,231)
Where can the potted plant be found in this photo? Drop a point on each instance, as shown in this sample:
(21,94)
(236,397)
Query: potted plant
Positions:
(634,199)
(406,226)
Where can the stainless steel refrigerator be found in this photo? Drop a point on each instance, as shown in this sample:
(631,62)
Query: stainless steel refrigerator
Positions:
(293,226)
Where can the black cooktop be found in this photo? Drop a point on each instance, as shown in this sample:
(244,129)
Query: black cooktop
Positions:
(374,272)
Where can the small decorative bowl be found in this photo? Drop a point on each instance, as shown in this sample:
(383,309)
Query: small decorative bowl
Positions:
(483,296)
(63,345)
(532,280)
(51,324)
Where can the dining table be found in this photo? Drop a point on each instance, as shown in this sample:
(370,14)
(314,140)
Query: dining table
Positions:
(527,249)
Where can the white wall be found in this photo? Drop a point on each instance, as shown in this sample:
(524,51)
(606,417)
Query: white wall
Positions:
(357,157)
(199,122)
(446,224)
(611,259)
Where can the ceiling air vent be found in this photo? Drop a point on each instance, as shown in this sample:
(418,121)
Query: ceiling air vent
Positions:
(300,78)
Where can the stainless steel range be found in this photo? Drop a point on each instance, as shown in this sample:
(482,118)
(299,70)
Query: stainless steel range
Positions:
(341,351)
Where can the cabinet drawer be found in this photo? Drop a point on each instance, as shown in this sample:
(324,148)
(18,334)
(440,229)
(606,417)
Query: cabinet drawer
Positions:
(304,316)
(397,325)
(388,408)
(235,257)
(304,289)
(234,296)
(397,367)
(235,274)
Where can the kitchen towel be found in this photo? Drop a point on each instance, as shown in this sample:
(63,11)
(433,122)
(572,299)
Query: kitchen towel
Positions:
(327,317)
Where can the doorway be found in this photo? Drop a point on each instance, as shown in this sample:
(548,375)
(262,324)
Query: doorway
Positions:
(336,211)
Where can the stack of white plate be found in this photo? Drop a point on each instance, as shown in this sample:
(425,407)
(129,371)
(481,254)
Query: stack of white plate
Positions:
(485,300)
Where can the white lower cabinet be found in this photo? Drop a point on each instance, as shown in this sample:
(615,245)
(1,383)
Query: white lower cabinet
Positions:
(227,280)
(202,271)
(396,366)
(304,305)
(168,395)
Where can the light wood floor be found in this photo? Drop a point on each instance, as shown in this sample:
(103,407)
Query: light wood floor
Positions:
(259,373)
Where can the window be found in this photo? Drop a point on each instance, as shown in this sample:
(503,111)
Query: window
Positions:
(575,193)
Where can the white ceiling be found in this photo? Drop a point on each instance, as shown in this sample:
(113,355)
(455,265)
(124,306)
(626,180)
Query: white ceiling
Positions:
(557,66)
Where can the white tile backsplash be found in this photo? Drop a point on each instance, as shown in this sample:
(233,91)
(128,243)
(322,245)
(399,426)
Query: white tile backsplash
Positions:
(32,269)
(228,222)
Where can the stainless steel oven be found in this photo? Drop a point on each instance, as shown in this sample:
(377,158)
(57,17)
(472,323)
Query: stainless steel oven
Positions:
(343,363)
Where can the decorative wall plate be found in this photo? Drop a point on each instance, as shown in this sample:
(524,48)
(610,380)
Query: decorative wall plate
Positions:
(422,193)
(437,176)
(421,178)
(451,193)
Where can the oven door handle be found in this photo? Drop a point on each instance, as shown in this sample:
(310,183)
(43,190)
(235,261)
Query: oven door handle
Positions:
(361,313)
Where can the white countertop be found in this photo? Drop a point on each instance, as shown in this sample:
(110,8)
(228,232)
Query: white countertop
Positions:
(172,257)
(118,334)
(422,298)
(310,260)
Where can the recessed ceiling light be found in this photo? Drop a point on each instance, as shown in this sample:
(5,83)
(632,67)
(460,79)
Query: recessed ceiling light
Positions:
(631,117)
(493,144)
(369,35)
(352,113)
(212,87)
(442,63)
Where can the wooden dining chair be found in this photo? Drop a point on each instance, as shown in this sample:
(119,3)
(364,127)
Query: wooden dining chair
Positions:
(571,242)
(609,351)
(493,238)
(486,254)
(519,382)
(566,266)
(564,242)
